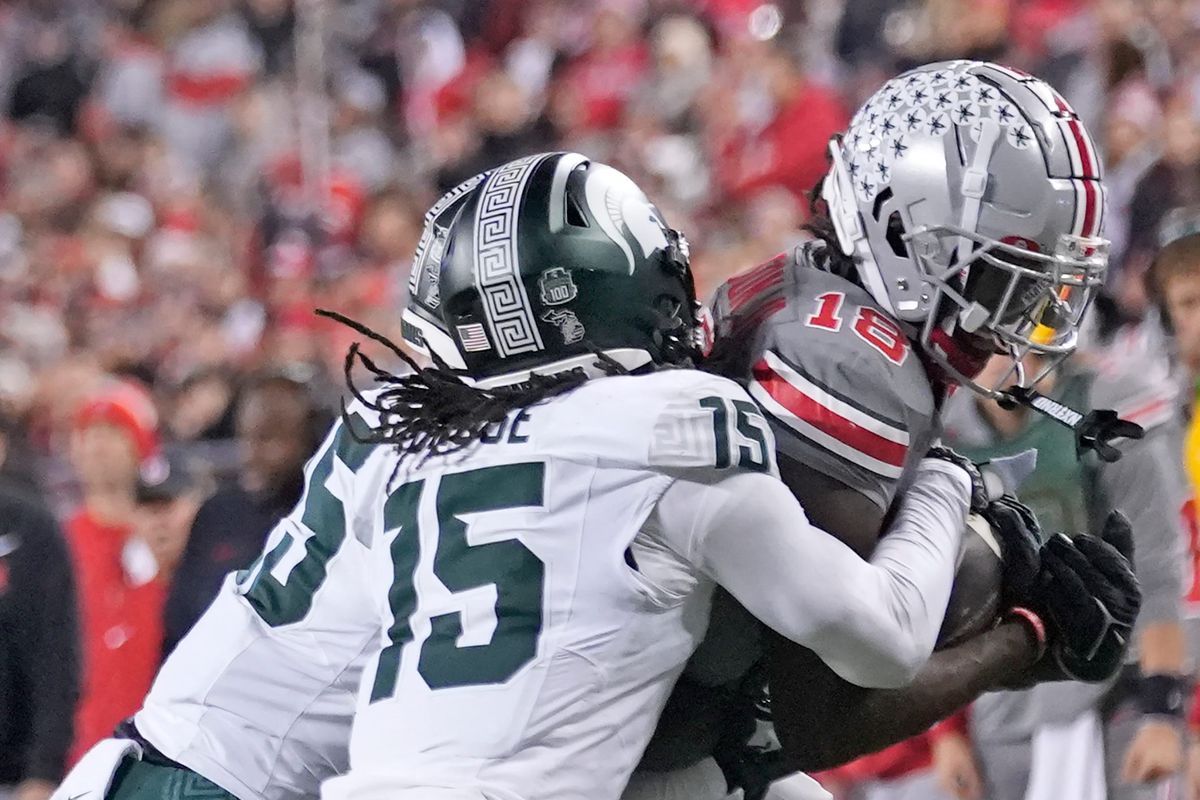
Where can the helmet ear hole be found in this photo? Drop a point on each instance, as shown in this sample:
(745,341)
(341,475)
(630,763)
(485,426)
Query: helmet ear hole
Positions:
(574,214)
(895,235)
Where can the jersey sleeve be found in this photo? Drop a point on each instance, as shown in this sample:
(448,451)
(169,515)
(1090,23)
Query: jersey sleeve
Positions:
(874,623)
(1149,399)
(842,411)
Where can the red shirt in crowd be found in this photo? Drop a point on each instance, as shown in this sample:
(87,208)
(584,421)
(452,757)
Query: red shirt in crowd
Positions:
(603,82)
(121,630)
(789,151)
(901,759)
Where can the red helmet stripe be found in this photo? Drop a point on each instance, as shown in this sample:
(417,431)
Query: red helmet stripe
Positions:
(1091,209)
(1088,162)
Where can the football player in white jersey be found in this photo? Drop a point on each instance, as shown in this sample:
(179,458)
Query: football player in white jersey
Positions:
(960,216)
(505,560)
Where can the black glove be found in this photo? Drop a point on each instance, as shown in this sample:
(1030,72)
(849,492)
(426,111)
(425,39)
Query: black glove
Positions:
(1089,598)
(1017,530)
(979,493)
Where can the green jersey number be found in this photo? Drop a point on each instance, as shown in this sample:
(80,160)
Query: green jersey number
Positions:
(750,428)
(324,514)
(509,565)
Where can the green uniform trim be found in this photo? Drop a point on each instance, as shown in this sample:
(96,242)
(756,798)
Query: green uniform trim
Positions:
(140,780)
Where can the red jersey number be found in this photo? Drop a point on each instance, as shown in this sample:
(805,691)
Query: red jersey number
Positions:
(828,315)
(881,333)
(869,325)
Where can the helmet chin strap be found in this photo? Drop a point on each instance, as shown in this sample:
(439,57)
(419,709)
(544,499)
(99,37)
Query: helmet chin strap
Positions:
(1095,430)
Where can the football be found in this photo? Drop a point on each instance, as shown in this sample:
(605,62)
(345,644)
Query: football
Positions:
(975,598)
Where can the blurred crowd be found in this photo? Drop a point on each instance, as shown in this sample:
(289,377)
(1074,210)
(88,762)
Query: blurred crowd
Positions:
(183,181)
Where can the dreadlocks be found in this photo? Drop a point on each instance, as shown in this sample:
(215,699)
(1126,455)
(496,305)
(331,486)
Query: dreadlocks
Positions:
(433,411)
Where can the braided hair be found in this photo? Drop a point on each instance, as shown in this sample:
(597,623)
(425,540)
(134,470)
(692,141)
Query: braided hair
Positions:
(432,411)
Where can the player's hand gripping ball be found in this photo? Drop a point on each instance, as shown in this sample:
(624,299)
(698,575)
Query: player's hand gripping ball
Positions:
(1019,535)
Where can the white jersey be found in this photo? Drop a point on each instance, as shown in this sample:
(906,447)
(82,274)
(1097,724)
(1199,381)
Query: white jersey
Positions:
(259,696)
(523,607)
(534,627)
(495,593)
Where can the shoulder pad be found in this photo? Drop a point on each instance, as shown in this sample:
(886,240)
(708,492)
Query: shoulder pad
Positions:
(849,408)
(712,423)
(674,419)
(816,320)
(838,378)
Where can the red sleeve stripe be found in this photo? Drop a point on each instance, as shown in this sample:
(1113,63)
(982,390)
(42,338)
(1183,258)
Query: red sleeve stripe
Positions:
(750,320)
(1150,412)
(748,284)
(826,420)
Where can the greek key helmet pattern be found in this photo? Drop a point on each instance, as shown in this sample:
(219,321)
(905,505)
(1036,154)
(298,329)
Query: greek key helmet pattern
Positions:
(427,269)
(497,269)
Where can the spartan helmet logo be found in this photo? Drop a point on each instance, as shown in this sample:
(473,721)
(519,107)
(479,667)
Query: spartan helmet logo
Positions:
(616,202)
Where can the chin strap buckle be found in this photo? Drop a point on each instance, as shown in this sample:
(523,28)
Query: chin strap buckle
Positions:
(1096,430)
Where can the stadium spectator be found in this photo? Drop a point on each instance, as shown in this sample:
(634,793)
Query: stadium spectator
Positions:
(169,493)
(53,85)
(782,132)
(277,430)
(1176,284)
(202,407)
(39,637)
(1172,182)
(208,64)
(1131,134)
(599,82)
(120,596)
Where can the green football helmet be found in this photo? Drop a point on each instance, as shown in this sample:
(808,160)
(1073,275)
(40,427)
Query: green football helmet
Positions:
(541,264)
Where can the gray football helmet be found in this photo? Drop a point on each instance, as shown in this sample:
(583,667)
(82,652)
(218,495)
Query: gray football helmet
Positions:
(969,196)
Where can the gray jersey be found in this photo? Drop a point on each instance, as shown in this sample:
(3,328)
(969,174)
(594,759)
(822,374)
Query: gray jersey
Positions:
(845,394)
(840,382)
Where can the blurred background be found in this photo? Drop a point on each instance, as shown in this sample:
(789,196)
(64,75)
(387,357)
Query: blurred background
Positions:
(183,181)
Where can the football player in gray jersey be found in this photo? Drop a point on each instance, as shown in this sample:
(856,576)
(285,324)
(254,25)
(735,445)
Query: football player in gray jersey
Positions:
(960,218)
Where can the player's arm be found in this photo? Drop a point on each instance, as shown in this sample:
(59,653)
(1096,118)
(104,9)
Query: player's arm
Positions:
(873,622)
(808,697)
